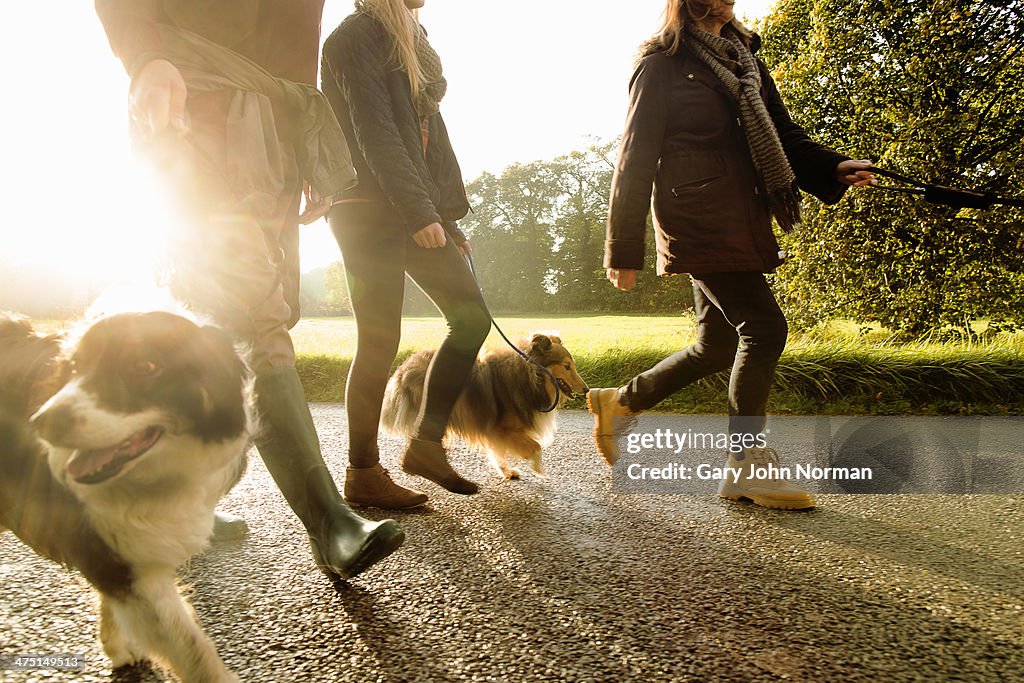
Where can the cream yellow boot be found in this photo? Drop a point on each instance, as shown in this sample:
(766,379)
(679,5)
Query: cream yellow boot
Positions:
(753,475)
(612,419)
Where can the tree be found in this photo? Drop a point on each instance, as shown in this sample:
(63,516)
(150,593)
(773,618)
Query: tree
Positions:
(538,233)
(336,298)
(511,230)
(930,88)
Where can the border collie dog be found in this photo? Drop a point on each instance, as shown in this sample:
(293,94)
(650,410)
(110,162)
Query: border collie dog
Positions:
(114,449)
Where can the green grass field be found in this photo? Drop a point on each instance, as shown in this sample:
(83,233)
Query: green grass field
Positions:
(836,369)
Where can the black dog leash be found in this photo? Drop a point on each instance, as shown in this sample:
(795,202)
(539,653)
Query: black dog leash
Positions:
(554,382)
(946,196)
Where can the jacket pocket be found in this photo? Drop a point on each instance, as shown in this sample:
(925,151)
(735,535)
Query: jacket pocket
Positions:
(698,185)
(685,175)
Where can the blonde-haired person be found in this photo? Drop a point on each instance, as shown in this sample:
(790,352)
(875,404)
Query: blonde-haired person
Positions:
(709,132)
(385,83)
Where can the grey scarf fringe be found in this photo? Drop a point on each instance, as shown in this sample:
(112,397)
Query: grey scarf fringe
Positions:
(734,64)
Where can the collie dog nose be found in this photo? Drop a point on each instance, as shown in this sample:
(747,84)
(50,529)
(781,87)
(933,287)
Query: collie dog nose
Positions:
(54,423)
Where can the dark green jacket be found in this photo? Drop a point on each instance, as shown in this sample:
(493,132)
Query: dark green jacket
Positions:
(684,139)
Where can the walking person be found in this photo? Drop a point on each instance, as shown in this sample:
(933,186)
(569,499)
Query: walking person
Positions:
(221,98)
(709,132)
(385,83)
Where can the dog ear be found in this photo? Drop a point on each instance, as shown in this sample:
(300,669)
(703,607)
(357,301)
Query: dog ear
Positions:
(223,377)
(540,342)
(555,339)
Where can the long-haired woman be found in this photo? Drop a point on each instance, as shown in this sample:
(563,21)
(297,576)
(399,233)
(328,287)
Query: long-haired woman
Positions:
(709,132)
(385,83)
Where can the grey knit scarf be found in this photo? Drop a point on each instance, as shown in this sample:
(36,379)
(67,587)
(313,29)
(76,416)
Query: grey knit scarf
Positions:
(434,85)
(734,64)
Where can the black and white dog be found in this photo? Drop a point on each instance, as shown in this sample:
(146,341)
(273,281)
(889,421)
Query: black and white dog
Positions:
(114,449)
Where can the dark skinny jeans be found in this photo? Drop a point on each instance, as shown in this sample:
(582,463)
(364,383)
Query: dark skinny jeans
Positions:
(731,309)
(378,253)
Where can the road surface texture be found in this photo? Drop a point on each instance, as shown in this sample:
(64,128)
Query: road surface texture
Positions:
(563,579)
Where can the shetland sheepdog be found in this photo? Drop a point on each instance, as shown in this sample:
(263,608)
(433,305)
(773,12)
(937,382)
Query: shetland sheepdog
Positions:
(502,408)
(115,447)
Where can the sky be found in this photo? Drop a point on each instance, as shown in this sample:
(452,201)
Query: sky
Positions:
(528,80)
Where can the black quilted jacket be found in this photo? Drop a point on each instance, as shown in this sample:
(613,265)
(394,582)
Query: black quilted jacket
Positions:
(373,102)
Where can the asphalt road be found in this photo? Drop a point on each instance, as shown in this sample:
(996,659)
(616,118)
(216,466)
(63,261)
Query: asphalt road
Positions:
(569,578)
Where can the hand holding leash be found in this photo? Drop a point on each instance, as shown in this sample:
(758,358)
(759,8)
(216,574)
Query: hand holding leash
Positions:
(430,237)
(856,173)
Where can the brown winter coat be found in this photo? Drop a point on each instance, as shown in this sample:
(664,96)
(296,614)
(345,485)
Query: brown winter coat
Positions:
(683,136)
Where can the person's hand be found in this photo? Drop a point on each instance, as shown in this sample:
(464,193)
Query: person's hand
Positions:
(316,206)
(465,249)
(854,172)
(622,278)
(157,99)
(430,237)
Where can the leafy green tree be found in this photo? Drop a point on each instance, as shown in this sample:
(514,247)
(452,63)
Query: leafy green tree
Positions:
(538,233)
(335,290)
(512,237)
(583,179)
(930,88)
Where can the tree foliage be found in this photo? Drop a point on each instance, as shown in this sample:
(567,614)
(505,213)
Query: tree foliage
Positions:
(929,88)
(538,234)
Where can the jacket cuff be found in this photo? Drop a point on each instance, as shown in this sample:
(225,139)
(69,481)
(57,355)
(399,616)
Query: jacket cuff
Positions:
(624,254)
(452,228)
(417,223)
(825,186)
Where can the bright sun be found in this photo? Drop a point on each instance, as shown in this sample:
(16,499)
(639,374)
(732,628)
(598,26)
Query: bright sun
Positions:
(84,206)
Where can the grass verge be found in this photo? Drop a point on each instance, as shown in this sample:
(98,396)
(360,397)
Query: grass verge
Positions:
(832,371)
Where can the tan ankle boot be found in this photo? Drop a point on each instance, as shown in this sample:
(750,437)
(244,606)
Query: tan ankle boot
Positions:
(373,487)
(756,476)
(429,460)
(612,419)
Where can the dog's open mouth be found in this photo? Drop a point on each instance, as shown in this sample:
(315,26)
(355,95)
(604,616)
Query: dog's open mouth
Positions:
(565,388)
(97,466)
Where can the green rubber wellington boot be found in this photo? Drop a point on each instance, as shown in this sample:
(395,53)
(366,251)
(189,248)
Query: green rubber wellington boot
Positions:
(344,544)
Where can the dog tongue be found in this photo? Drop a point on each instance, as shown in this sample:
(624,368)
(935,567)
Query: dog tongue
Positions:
(84,463)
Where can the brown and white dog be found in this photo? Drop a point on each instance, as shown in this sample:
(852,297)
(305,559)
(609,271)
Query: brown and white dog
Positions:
(138,427)
(501,409)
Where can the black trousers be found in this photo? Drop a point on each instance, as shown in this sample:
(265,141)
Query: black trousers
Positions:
(378,253)
(739,325)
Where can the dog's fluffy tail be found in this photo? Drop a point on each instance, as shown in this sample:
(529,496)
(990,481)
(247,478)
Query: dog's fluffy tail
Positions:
(405,394)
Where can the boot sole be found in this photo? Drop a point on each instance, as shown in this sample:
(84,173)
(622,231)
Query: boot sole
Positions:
(771,503)
(469,490)
(358,504)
